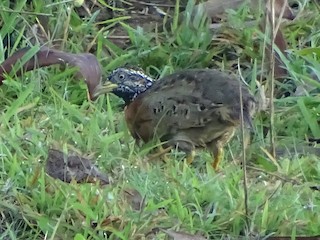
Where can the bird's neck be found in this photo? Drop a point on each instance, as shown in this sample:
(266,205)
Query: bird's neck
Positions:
(130,97)
(125,96)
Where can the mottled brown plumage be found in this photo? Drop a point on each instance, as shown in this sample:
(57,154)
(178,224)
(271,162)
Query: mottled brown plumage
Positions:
(188,109)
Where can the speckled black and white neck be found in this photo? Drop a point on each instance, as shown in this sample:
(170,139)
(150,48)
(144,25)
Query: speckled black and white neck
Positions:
(131,82)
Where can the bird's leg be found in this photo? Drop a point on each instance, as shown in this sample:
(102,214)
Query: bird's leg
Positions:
(218,155)
(190,156)
(216,149)
(183,143)
(161,153)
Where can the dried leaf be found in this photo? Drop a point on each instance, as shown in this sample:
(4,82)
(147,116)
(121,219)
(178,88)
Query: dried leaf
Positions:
(296,237)
(281,10)
(68,168)
(181,235)
(263,101)
(216,7)
(39,33)
(111,220)
(278,5)
(87,64)
(301,150)
(134,198)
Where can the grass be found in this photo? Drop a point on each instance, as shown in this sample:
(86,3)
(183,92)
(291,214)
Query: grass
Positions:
(45,108)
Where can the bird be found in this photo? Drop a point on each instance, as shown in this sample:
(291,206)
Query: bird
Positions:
(188,109)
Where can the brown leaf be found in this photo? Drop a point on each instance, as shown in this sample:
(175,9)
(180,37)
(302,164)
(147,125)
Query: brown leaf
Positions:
(87,64)
(134,199)
(278,5)
(181,235)
(68,168)
(279,40)
(297,238)
(110,220)
(216,7)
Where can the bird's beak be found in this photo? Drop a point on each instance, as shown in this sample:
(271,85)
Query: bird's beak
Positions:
(104,88)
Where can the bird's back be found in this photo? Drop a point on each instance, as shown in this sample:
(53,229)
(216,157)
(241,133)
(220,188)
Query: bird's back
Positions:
(202,104)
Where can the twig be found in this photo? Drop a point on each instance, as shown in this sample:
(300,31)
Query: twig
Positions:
(290,180)
(270,196)
(118,37)
(244,163)
(154,4)
(25,12)
(272,62)
(66,27)
(317,4)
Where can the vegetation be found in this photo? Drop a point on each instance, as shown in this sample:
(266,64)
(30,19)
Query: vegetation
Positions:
(46,108)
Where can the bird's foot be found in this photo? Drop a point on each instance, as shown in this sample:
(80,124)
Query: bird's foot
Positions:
(190,157)
(161,154)
(217,159)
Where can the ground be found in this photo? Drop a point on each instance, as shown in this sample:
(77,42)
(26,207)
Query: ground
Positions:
(46,109)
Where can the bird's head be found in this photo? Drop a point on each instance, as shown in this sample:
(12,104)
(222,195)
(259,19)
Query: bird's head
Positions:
(126,83)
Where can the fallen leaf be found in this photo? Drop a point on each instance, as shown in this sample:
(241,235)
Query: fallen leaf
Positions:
(278,5)
(68,168)
(181,235)
(296,237)
(282,10)
(134,199)
(110,220)
(87,64)
(216,7)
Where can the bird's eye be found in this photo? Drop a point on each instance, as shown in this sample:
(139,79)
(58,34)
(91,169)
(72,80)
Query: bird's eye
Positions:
(121,76)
